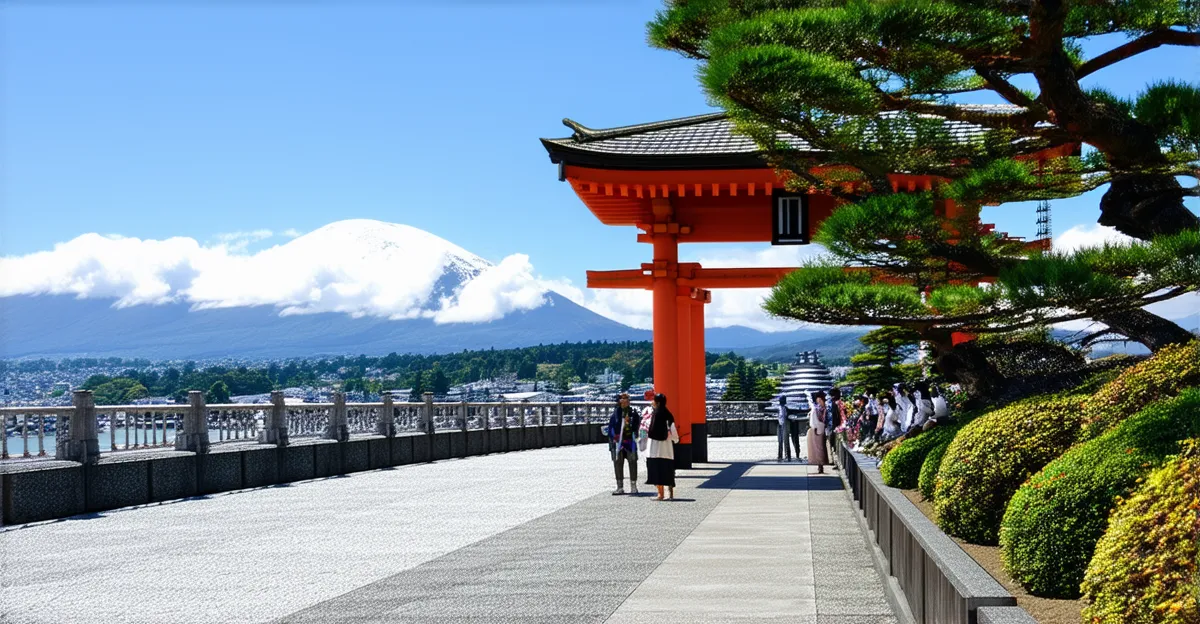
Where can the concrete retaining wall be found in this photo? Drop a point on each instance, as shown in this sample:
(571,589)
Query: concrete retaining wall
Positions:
(929,576)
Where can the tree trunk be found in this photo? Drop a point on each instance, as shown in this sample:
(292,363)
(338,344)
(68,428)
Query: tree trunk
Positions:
(1147,328)
(963,364)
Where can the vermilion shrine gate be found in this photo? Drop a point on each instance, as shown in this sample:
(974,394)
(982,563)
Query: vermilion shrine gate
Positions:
(693,180)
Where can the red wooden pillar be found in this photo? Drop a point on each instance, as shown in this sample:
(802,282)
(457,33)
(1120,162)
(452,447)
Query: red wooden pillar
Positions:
(698,369)
(683,401)
(666,318)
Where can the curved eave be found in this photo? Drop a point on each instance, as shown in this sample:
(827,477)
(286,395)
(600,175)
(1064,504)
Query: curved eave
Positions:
(561,153)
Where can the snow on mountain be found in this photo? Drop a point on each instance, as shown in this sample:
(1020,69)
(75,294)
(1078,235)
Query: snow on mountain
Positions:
(354,286)
(358,267)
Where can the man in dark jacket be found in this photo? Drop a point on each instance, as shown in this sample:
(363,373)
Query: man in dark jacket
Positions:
(623,428)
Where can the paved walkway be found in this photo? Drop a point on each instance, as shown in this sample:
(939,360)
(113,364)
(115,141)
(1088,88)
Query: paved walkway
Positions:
(522,537)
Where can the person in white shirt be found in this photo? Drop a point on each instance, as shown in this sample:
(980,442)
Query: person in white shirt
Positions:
(785,451)
(889,418)
(660,462)
(904,405)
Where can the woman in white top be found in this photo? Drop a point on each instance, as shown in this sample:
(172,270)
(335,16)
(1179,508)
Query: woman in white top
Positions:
(660,461)
(904,405)
(941,410)
(889,418)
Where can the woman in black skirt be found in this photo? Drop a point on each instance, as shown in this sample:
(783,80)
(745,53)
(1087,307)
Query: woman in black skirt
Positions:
(660,461)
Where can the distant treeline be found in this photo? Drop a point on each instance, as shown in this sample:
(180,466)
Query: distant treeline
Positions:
(555,365)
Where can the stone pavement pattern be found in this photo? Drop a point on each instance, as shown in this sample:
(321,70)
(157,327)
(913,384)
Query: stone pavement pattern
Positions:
(531,537)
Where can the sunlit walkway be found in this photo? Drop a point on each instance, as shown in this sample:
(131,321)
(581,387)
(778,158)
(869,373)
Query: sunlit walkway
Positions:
(532,537)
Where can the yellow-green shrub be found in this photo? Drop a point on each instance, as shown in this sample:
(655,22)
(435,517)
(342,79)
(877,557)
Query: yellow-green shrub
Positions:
(1144,570)
(990,458)
(1053,522)
(1167,373)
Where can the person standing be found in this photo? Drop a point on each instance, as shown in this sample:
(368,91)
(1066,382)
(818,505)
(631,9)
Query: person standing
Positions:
(817,419)
(623,428)
(836,417)
(889,418)
(647,412)
(782,434)
(660,461)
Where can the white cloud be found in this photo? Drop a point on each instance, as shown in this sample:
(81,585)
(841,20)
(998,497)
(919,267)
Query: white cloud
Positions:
(498,290)
(239,241)
(360,268)
(1089,235)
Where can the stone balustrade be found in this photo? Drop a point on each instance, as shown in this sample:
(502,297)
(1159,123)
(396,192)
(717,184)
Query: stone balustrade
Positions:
(223,447)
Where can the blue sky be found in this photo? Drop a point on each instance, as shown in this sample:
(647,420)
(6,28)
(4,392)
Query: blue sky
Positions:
(198,119)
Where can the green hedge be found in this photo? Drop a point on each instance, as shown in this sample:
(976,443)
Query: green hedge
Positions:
(1145,567)
(1053,522)
(993,455)
(1164,375)
(902,465)
(927,482)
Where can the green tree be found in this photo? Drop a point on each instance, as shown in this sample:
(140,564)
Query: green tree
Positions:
(438,383)
(886,349)
(418,387)
(528,369)
(765,389)
(724,365)
(217,393)
(735,389)
(871,85)
(563,378)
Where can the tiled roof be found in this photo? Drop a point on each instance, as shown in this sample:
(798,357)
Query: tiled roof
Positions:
(701,140)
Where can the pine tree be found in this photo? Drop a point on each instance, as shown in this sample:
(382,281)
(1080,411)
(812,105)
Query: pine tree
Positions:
(418,387)
(886,349)
(734,390)
(765,389)
(438,383)
(871,86)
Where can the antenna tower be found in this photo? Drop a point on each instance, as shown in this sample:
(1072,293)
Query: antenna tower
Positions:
(1044,229)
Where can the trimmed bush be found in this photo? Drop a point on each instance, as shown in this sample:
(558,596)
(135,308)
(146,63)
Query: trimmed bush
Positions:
(993,455)
(902,465)
(1167,373)
(1053,522)
(927,482)
(1145,567)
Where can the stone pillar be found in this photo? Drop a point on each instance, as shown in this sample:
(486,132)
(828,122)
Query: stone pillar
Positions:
(337,428)
(560,419)
(466,413)
(194,436)
(428,424)
(385,425)
(82,442)
(275,427)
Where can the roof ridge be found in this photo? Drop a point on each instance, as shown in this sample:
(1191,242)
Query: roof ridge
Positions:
(584,134)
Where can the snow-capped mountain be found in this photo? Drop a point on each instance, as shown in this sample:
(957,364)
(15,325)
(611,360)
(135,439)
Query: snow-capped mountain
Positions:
(355,286)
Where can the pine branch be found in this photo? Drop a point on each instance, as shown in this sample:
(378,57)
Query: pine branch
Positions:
(1005,88)
(1144,43)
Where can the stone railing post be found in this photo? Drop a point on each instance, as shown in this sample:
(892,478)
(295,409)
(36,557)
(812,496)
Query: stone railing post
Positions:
(560,416)
(337,429)
(194,436)
(429,426)
(504,416)
(82,442)
(385,425)
(275,428)
(466,415)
